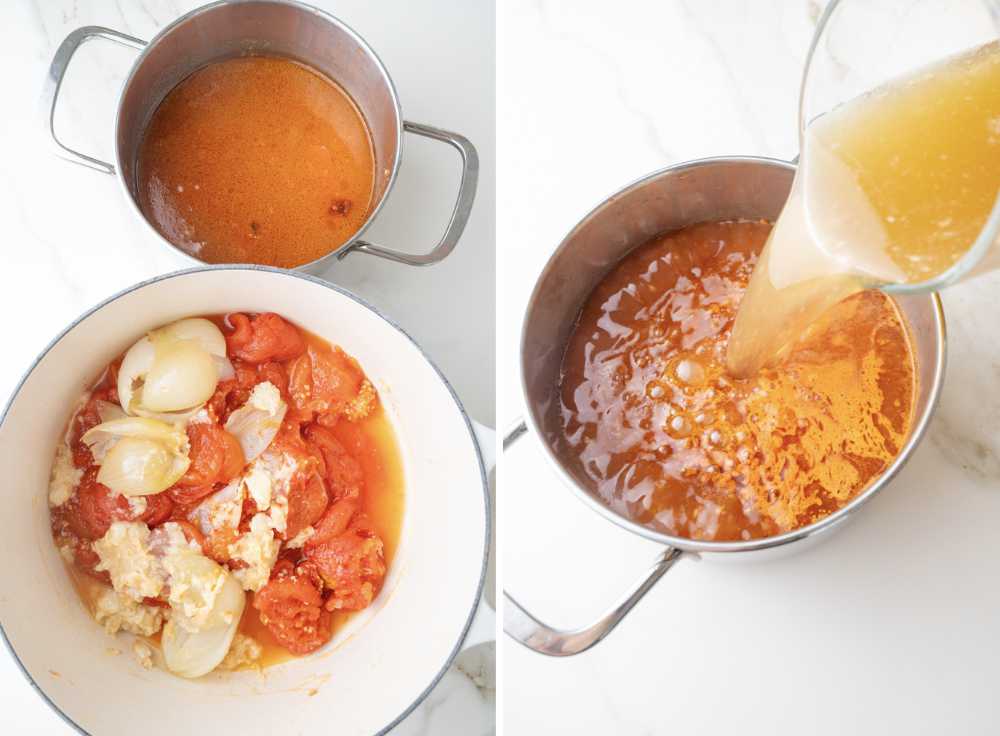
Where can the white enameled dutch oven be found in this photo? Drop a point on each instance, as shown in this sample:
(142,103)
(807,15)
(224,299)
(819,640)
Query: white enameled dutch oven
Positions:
(381,665)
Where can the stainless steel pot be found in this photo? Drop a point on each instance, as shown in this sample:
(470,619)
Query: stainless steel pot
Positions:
(280,27)
(703,190)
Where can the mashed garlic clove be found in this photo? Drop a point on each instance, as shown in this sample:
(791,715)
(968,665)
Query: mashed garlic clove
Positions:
(195,581)
(220,510)
(196,653)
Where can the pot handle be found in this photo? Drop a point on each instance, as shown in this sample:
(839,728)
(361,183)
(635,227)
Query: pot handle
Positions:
(532,633)
(482,628)
(54,79)
(459,215)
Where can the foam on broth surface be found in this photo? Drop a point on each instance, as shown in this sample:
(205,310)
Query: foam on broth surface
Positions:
(652,421)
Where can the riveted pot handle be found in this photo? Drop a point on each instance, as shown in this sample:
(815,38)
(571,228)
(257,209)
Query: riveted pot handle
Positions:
(54,79)
(528,630)
(459,215)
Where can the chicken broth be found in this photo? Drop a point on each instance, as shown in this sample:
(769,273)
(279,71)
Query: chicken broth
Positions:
(256,159)
(893,187)
(652,421)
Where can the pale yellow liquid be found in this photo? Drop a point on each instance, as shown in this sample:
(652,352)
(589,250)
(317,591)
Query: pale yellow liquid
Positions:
(893,187)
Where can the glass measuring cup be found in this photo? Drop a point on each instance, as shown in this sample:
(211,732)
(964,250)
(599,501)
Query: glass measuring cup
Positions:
(860,45)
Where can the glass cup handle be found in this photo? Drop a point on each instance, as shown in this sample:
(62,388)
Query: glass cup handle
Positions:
(54,80)
(459,215)
(532,633)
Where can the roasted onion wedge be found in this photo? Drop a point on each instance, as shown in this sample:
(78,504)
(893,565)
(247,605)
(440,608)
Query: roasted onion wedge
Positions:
(138,456)
(195,653)
(181,376)
(173,369)
(256,423)
(197,330)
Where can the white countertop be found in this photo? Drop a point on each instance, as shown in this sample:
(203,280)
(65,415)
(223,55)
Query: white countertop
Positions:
(890,625)
(69,240)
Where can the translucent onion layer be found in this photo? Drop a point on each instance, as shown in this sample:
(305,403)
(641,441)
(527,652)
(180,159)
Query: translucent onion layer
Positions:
(195,653)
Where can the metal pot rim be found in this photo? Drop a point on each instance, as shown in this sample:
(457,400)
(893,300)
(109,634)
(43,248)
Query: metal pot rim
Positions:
(694,545)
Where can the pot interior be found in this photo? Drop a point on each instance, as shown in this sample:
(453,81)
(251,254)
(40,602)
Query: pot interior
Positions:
(225,30)
(380,664)
(701,191)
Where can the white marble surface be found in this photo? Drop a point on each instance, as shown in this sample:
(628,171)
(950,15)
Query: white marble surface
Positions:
(69,240)
(890,626)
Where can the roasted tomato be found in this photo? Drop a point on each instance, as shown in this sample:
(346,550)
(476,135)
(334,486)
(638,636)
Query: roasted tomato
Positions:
(216,457)
(334,522)
(291,606)
(329,383)
(216,545)
(207,454)
(96,507)
(307,500)
(93,508)
(289,441)
(191,532)
(344,475)
(159,507)
(111,379)
(232,458)
(86,419)
(352,564)
(185,497)
(246,379)
(233,393)
(85,559)
(263,338)
(275,373)
(228,396)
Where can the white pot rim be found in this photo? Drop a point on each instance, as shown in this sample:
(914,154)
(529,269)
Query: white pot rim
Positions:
(350,295)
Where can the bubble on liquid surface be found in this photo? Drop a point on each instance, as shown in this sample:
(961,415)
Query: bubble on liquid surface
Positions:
(678,427)
(690,371)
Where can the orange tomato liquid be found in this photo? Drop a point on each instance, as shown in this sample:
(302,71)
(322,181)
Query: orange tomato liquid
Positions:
(257,159)
(654,423)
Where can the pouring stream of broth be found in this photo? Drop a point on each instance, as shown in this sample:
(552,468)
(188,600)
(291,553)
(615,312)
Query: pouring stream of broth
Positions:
(893,187)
